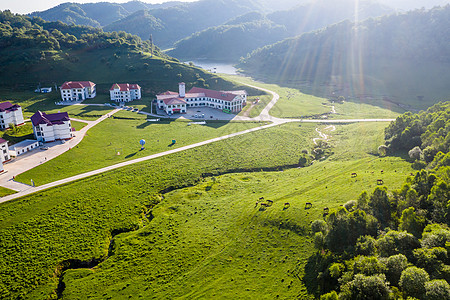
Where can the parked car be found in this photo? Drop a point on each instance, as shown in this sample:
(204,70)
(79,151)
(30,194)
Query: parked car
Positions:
(44,148)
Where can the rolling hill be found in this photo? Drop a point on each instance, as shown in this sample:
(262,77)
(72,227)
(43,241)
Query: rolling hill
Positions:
(400,57)
(34,51)
(95,14)
(238,37)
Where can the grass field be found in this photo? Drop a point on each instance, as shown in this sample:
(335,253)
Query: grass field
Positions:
(203,241)
(117,139)
(295,104)
(256,109)
(5,191)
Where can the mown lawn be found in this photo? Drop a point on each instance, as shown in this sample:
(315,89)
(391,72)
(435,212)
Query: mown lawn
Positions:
(6,192)
(117,139)
(204,241)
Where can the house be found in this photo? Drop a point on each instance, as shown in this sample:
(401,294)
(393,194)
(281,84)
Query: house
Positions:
(23,147)
(4,150)
(10,113)
(125,92)
(228,101)
(77,90)
(51,127)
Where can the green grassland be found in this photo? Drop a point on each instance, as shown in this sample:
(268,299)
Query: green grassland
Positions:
(257,108)
(294,103)
(6,192)
(202,241)
(117,139)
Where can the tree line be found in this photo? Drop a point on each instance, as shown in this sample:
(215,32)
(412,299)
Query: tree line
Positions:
(392,244)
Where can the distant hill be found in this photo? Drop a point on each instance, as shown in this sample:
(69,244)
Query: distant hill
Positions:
(96,14)
(248,32)
(229,42)
(34,51)
(404,55)
(182,20)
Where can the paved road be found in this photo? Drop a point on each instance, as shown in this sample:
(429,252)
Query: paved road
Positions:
(264,116)
(36,157)
(30,190)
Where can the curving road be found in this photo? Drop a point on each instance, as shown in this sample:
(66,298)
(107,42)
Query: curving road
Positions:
(24,189)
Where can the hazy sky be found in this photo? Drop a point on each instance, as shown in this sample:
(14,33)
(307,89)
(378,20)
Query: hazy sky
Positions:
(27,6)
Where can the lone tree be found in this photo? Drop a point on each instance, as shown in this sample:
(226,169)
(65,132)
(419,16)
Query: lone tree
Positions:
(412,281)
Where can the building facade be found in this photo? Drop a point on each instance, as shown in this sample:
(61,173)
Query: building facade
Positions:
(78,90)
(125,92)
(4,150)
(228,101)
(10,113)
(51,127)
(23,147)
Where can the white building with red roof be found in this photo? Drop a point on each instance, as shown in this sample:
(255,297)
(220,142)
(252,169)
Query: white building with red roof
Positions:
(77,90)
(125,92)
(51,127)
(10,113)
(229,101)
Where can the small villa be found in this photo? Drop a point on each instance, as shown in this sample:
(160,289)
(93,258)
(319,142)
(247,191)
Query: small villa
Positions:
(125,92)
(51,127)
(77,90)
(10,114)
(228,101)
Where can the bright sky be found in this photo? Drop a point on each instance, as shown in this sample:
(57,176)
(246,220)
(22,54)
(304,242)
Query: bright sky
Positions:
(28,6)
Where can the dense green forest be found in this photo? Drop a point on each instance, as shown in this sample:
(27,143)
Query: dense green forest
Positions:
(238,37)
(96,14)
(392,244)
(177,22)
(404,55)
(34,51)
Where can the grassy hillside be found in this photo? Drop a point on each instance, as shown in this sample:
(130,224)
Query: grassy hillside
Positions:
(237,244)
(402,58)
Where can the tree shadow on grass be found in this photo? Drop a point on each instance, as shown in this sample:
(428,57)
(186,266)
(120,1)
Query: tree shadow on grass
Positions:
(131,155)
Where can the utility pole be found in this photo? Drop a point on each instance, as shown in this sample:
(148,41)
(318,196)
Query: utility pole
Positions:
(151,45)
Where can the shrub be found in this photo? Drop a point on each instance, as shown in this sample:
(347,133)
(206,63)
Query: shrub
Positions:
(437,290)
(412,282)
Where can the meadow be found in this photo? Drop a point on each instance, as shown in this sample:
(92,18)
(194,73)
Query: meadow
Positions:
(191,233)
(298,102)
(116,139)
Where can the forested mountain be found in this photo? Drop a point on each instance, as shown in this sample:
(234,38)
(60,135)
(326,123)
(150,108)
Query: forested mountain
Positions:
(182,20)
(34,51)
(246,33)
(392,244)
(372,56)
(229,42)
(96,14)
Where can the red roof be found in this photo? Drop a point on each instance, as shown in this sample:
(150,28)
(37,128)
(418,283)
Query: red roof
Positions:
(49,119)
(77,85)
(2,141)
(174,101)
(8,106)
(123,87)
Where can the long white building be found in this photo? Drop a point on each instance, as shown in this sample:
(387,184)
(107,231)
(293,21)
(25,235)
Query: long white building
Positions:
(78,90)
(10,113)
(51,127)
(125,92)
(229,101)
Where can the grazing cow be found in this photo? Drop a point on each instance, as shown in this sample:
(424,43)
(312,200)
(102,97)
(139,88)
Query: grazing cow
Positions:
(264,204)
(287,205)
(354,174)
(262,198)
(379,181)
(308,205)
(269,202)
(326,210)
(382,171)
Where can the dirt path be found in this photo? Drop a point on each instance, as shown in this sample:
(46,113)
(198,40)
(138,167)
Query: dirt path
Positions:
(323,136)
